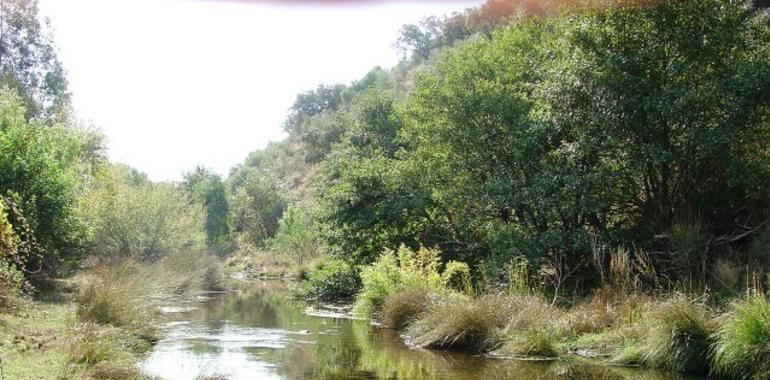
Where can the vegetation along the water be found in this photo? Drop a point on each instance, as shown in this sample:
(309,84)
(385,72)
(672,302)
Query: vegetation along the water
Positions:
(534,180)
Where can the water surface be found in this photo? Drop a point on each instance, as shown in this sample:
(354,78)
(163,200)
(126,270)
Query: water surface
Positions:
(255,331)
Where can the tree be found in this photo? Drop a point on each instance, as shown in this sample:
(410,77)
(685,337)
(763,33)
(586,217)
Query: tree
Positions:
(295,236)
(45,170)
(28,61)
(206,188)
(143,220)
(257,205)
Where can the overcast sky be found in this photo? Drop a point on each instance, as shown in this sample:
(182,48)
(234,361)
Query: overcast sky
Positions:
(177,83)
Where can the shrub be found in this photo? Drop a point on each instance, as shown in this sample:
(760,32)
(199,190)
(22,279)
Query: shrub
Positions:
(395,272)
(330,281)
(680,337)
(12,284)
(185,272)
(742,342)
(457,276)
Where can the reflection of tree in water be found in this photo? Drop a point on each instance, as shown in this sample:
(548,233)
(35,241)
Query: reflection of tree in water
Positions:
(346,349)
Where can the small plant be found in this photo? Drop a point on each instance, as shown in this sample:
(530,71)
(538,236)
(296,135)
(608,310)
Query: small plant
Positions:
(397,271)
(113,296)
(742,342)
(107,352)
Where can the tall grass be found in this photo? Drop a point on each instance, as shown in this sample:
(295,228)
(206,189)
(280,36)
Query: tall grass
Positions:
(403,308)
(742,342)
(120,295)
(117,309)
(680,336)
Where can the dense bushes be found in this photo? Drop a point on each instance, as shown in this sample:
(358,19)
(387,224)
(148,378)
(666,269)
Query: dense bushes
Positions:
(44,168)
(134,217)
(332,280)
(536,142)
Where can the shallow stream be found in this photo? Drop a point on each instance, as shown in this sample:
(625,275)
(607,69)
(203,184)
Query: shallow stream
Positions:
(255,331)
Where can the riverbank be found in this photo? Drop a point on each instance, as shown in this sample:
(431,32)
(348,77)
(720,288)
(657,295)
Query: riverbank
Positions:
(675,332)
(100,323)
(434,305)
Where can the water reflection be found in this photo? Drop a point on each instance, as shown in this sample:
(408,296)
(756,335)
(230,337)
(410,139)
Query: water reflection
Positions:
(256,332)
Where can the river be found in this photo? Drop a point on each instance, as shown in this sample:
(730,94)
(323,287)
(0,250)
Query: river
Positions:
(255,331)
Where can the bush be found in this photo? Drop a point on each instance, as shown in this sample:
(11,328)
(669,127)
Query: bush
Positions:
(107,352)
(742,342)
(187,272)
(330,281)
(398,271)
(533,343)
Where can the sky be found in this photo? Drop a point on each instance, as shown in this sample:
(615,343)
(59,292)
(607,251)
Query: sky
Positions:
(179,83)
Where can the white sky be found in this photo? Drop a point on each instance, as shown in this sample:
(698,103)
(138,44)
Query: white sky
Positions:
(177,83)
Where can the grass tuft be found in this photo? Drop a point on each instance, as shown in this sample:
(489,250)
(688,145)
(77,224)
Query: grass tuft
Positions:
(401,309)
(742,342)
(535,343)
(680,337)
(454,322)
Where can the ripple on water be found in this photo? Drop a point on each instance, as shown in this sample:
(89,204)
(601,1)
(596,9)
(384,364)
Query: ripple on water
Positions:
(233,352)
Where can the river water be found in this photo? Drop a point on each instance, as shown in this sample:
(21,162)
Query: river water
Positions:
(255,331)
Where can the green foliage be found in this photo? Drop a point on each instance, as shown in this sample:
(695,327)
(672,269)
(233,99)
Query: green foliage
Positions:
(29,62)
(207,188)
(330,280)
(397,271)
(457,276)
(141,219)
(295,236)
(621,125)
(742,346)
(257,204)
(681,336)
(45,170)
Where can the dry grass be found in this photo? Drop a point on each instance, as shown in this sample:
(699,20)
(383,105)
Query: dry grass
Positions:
(401,309)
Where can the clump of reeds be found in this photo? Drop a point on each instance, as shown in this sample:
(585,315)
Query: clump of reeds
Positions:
(742,342)
(457,323)
(121,296)
(401,309)
(536,343)
(680,335)
(106,352)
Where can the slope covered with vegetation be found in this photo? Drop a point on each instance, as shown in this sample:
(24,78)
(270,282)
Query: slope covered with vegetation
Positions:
(603,163)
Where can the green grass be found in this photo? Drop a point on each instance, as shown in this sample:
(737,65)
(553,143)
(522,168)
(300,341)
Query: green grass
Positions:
(742,342)
(34,341)
(534,343)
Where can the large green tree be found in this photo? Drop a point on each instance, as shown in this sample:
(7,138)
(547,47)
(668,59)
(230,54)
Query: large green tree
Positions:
(207,188)
(45,170)
(29,62)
